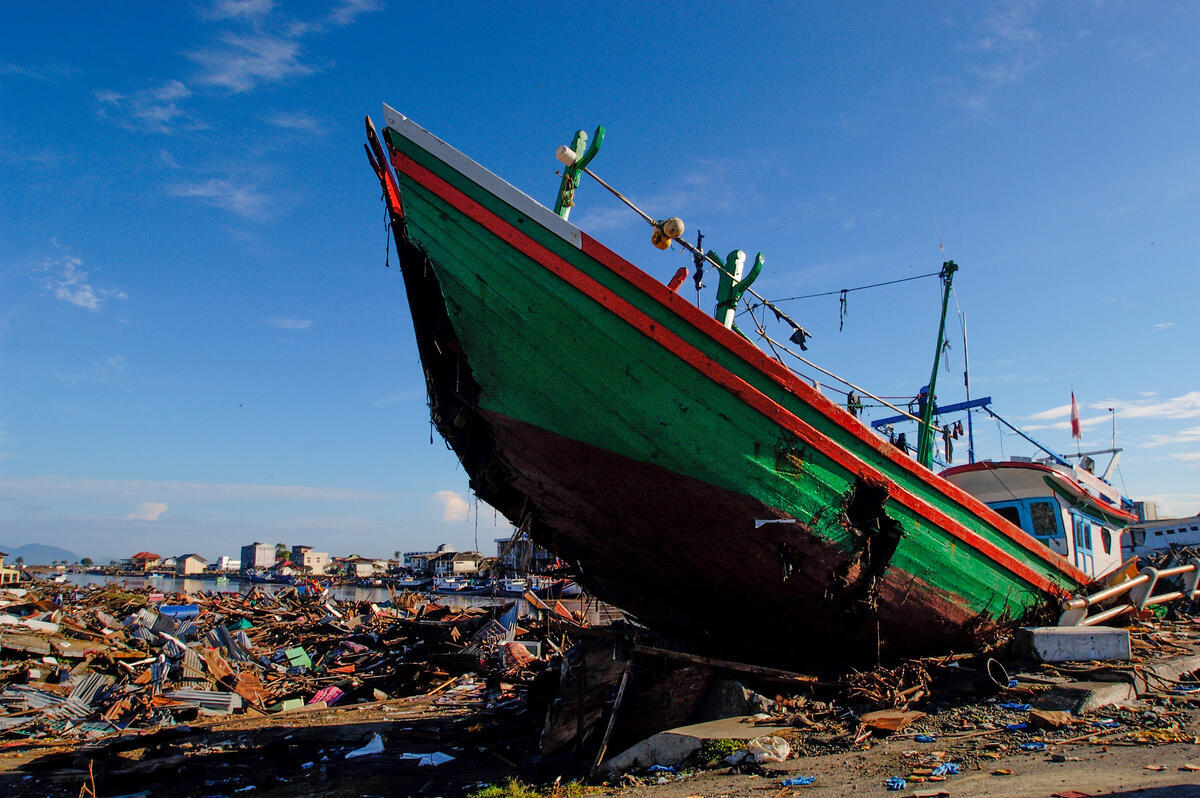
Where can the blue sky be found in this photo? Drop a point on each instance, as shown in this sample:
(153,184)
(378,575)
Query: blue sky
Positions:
(200,344)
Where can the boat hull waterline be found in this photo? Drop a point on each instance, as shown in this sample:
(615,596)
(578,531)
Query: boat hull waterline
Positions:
(696,483)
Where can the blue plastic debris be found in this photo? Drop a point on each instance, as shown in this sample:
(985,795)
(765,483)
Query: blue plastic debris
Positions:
(1018,707)
(798,781)
(662,769)
(1016,726)
(924,738)
(896,783)
(1106,723)
(1036,745)
(180,612)
(1185,688)
(1012,683)
(946,769)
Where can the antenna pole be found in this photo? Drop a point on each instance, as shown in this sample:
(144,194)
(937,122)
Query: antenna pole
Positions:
(967,384)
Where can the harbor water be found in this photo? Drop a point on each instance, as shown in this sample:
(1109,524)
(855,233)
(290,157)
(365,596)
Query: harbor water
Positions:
(595,612)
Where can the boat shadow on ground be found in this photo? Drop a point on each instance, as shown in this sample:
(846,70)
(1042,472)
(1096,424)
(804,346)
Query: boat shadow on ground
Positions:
(283,759)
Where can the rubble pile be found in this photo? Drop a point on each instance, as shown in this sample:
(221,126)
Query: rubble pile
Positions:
(82,663)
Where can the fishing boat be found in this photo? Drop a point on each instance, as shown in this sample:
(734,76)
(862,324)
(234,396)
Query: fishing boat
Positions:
(691,479)
(1154,536)
(512,586)
(450,584)
(411,582)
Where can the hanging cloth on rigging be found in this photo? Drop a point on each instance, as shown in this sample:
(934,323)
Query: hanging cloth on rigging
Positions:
(842,309)
(853,403)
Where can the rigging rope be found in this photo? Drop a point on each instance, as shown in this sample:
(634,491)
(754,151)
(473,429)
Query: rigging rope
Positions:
(844,291)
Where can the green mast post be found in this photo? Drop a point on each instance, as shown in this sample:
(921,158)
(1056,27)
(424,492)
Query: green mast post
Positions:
(574,172)
(925,444)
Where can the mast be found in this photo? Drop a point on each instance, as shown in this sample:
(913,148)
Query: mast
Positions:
(925,447)
(962,316)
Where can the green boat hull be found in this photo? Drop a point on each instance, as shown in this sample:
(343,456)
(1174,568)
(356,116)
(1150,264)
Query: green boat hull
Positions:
(695,482)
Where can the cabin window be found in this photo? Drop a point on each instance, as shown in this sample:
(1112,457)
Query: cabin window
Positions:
(1010,514)
(1083,534)
(1158,532)
(1106,540)
(1196,529)
(1045,519)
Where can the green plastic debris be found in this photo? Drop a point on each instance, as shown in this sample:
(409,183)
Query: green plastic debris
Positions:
(298,658)
(241,624)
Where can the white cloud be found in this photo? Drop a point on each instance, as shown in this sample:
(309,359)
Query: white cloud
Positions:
(1083,422)
(1054,412)
(347,11)
(147,511)
(156,109)
(1183,406)
(246,201)
(1186,456)
(297,120)
(1189,435)
(1007,49)
(290,324)
(244,61)
(238,9)
(66,280)
(452,505)
(1164,325)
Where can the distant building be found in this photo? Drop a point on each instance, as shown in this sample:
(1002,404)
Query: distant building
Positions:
(258,555)
(315,561)
(190,564)
(1146,510)
(457,563)
(524,555)
(421,564)
(144,561)
(225,563)
(360,566)
(419,559)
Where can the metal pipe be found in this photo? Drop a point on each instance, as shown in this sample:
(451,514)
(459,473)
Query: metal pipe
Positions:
(1164,598)
(1106,593)
(1101,617)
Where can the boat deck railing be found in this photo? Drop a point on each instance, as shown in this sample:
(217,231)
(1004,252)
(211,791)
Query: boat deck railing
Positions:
(1134,595)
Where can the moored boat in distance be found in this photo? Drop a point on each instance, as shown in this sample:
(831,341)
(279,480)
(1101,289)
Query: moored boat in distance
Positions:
(1153,536)
(449,584)
(696,482)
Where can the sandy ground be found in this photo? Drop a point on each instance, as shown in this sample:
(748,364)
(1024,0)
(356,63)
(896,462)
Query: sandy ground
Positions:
(1089,769)
(304,754)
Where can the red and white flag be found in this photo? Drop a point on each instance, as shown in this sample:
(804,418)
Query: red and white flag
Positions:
(1076,428)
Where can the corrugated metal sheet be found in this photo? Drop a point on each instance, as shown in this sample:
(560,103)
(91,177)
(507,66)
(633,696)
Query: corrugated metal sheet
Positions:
(142,633)
(143,617)
(224,703)
(90,687)
(191,671)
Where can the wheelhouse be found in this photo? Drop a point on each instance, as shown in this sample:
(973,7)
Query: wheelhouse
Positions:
(1068,510)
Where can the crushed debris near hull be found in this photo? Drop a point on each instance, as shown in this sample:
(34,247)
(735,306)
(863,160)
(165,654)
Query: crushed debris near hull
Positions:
(695,482)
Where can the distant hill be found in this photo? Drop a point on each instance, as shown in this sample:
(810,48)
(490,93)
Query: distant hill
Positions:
(37,554)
